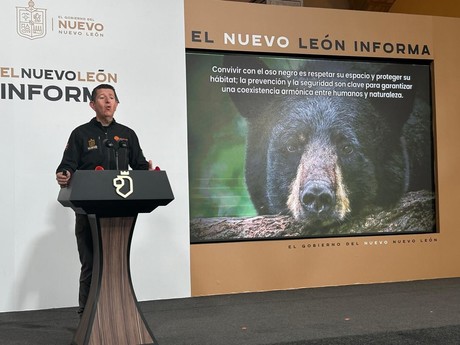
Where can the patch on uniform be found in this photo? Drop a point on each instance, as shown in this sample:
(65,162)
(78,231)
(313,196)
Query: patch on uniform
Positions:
(117,138)
(92,144)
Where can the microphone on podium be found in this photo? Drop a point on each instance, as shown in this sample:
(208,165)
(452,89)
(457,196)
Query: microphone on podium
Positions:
(108,143)
(111,146)
(121,144)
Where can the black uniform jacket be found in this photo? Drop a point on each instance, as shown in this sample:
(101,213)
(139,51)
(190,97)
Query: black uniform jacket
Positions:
(92,145)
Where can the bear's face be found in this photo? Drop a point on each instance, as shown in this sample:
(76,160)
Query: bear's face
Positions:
(323,159)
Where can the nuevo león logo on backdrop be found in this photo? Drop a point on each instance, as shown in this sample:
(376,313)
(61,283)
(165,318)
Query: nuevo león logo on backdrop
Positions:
(31,21)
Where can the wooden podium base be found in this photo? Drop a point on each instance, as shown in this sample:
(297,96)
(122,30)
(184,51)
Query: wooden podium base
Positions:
(112,315)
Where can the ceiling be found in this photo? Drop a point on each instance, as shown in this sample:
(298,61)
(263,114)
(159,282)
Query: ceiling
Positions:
(360,5)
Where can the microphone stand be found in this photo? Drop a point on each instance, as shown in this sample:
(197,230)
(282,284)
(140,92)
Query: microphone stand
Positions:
(111,146)
(115,147)
(122,144)
(116,159)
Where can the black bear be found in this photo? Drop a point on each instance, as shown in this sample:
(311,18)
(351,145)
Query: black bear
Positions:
(326,159)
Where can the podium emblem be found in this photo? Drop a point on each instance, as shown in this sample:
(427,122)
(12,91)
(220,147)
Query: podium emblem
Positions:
(31,21)
(123,184)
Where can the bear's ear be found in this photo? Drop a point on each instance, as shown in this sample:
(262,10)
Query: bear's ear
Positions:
(247,98)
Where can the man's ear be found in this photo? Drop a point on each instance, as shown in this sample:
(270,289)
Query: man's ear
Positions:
(91,104)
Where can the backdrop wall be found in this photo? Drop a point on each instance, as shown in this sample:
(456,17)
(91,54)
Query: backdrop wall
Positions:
(265,265)
(139,48)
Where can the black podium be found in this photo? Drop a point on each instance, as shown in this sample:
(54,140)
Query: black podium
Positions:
(112,200)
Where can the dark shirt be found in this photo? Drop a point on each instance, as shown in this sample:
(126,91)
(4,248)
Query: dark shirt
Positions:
(87,148)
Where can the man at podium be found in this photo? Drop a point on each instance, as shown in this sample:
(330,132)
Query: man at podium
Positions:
(100,144)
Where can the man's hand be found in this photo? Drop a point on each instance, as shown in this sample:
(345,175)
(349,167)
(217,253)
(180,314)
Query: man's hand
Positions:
(63,178)
(151,166)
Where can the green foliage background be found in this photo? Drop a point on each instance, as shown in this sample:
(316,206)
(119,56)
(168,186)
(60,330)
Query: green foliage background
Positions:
(216,145)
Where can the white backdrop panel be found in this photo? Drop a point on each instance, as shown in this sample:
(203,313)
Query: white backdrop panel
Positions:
(141,43)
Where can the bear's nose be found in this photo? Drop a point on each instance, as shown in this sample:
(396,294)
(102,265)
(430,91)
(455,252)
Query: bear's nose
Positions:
(317,198)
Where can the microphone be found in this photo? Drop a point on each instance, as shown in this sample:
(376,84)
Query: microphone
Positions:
(122,144)
(108,143)
(111,146)
(115,146)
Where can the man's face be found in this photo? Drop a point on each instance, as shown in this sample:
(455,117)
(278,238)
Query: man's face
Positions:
(104,105)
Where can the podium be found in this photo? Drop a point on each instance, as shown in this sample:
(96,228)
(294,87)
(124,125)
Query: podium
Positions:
(112,200)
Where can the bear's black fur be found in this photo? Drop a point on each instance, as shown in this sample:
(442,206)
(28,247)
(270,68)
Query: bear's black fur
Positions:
(327,159)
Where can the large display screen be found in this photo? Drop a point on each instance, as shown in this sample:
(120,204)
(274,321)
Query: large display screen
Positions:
(303,146)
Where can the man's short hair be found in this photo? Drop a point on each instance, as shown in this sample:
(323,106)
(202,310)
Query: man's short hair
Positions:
(103,86)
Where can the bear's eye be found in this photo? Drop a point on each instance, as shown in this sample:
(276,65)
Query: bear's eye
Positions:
(347,149)
(291,148)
